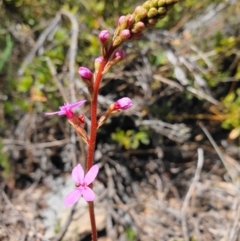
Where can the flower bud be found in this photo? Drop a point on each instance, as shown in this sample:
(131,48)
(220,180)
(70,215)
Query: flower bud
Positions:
(152,12)
(120,54)
(124,22)
(121,19)
(123,104)
(161,3)
(153,3)
(162,10)
(146,5)
(87,78)
(85,73)
(104,36)
(129,20)
(117,41)
(138,27)
(152,21)
(141,14)
(125,34)
(97,63)
(137,9)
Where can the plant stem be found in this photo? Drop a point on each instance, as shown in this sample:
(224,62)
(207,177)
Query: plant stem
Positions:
(92,220)
(93,128)
(93,134)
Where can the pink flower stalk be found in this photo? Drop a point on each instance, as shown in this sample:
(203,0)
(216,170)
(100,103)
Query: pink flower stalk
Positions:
(85,73)
(123,104)
(82,183)
(66,109)
(104,36)
(119,54)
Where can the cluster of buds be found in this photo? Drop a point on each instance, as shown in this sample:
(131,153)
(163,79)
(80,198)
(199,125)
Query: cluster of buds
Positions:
(147,15)
(153,10)
(132,26)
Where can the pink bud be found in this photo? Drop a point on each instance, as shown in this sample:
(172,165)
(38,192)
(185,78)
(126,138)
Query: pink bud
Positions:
(97,63)
(130,20)
(137,9)
(125,33)
(104,36)
(119,54)
(138,27)
(85,73)
(121,19)
(99,59)
(123,104)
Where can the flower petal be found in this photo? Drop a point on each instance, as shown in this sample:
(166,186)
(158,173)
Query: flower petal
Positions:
(52,113)
(72,197)
(66,109)
(88,194)
(78,174)
(91,175)
(74,105)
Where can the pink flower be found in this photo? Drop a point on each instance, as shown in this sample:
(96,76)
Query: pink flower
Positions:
(123,103)
(66,109)
(85,73)
(104,36)
(82,183)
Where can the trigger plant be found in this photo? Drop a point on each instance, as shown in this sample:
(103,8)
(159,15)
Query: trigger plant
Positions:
(129,27)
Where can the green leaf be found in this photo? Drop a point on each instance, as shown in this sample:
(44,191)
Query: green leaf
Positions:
(25,83)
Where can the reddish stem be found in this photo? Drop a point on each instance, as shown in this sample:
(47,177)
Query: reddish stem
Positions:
(92,220)
(93,133)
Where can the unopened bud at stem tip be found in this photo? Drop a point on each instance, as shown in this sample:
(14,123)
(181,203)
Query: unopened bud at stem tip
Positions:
(85,73)
(104,36)
(123,104)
